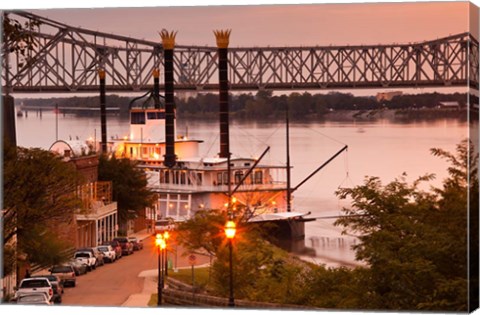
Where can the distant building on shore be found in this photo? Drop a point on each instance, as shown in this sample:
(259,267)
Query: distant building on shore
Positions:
(451,105)
(387,96)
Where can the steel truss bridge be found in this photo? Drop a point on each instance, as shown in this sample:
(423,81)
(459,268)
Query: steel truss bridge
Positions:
(66,59)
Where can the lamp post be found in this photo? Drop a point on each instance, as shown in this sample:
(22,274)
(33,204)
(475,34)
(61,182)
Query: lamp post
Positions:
(160,243)
(166,236)
(230,229)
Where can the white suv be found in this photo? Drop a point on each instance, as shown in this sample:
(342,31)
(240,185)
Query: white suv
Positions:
(86,258)
(108,253)
(35,286)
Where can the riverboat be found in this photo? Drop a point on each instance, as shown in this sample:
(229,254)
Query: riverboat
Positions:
(257,191)
(187,182)
(198,182)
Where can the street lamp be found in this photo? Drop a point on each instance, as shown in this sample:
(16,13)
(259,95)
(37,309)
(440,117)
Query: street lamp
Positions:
(230,229)
(166,236)
(160,243)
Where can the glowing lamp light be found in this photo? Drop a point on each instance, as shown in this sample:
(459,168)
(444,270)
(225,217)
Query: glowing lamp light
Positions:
(166,235)
(163,244)
(234,200)
(156,155)
(125,138)
(158,239)
(230,229)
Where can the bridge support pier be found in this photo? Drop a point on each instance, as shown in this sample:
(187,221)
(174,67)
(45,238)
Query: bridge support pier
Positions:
(9,129)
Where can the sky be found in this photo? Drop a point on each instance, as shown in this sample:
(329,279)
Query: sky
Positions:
(265,24)
(279,25)
(268,22)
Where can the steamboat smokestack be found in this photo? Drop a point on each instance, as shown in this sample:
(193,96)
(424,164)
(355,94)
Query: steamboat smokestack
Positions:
(103,110)
(222,44)
(156,88)
(168,42)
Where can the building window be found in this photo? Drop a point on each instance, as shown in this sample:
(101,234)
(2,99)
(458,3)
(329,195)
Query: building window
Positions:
(199,178)
(219,178)
(183,178)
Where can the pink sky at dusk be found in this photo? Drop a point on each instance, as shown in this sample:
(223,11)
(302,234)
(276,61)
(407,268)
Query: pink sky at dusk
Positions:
(280,25)
(318,24)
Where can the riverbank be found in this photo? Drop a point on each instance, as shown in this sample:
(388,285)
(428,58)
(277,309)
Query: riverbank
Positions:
(390,115)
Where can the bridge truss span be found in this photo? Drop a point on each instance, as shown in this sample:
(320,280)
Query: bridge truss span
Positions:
(66,59)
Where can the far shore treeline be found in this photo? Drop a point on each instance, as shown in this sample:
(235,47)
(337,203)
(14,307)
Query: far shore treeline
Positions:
(265,106)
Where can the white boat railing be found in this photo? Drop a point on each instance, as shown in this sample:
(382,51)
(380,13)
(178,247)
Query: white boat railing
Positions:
(154,183)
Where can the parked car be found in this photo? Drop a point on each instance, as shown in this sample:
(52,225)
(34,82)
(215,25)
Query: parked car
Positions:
(34,299)
(164,225)
(137,244)
(30,286)
(127,247)
(54,279)
(86,258)
(57,293)
(65,273)
(96,253)
(108,253)
(79,267)
(117,247)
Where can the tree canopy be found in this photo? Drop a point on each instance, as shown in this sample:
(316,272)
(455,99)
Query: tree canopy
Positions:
(415,242)
(39,194)
(129,185)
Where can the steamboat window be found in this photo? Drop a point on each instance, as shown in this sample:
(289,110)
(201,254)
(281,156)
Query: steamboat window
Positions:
(167,177)
(258,177)
(238,177)
(183,178)
(225,178)
(137,118)
(219,178)
(155,115)
(199,178)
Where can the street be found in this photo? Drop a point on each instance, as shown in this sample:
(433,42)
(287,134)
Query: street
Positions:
(113,283)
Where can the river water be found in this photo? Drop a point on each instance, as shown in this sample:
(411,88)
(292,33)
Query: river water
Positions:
(382,148)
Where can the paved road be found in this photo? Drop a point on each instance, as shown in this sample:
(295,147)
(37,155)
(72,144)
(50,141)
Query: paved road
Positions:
(112,284)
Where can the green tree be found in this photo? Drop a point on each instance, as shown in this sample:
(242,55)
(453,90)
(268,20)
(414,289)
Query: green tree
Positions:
(129,185)
(39,194)
(17,36)
(414,242)
(203,232)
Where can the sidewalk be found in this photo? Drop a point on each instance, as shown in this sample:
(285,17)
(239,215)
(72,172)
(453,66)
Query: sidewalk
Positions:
(150,276)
